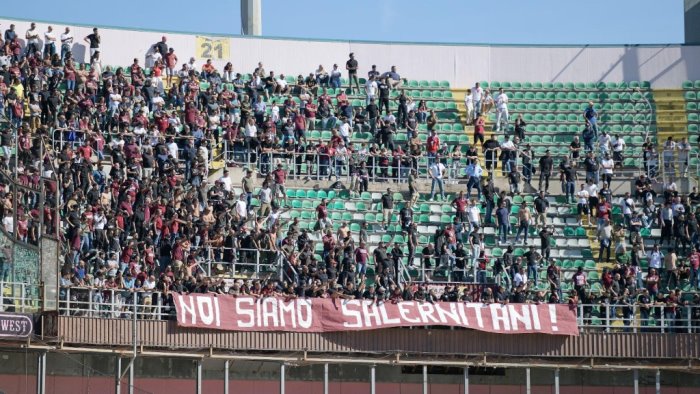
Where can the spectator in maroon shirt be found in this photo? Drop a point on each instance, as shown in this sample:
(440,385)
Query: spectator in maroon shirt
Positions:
(322,215)
(280,177)
(460,205)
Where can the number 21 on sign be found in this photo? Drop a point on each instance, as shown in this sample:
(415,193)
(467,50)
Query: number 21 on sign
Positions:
(215,49)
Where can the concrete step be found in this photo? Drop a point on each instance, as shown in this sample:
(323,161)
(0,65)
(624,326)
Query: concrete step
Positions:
(670,118)
(666,93)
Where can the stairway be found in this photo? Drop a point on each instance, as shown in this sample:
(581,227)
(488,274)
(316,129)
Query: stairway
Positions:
(458,97)
(671,120)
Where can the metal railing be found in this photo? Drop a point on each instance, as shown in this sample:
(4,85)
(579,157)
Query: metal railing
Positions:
(20,297)
(322,166)
(247,262)
(114,303)
(156,305)
(656,317)
(673,167)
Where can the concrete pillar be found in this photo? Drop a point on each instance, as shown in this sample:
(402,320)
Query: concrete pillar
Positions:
(692,21)
(282,366)
(251,17)
(226,373)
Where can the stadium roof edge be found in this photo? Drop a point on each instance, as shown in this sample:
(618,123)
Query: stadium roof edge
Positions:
(348,41)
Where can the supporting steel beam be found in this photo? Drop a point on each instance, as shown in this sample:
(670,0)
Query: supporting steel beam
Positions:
(325,378)
(226,373)
(198,377)
(372,383)
(528,383)
(466,380)
(282,377)
(658,381)
(636,381)
(41,373)
(556,381)
(132,377)
(118,375)
(425,379)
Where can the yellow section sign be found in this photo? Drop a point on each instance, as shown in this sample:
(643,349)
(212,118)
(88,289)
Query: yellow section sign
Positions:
(212,48)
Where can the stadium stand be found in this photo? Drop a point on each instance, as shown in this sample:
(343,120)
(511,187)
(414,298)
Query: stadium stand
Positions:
(139,164)
(141,187)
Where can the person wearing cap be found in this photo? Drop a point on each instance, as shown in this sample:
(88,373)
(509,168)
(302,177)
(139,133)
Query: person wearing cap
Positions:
(351,67)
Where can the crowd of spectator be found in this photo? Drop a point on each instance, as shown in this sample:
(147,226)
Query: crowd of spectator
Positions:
(126,156)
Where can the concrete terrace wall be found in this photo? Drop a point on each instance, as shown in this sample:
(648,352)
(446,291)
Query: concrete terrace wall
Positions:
(665,66)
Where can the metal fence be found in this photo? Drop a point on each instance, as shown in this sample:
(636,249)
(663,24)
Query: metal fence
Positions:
(656,317)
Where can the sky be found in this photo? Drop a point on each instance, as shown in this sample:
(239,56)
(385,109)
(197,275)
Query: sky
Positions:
(453,21)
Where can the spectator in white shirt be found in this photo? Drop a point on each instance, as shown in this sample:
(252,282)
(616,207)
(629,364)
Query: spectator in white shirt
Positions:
(371,89)
(607,165)
(437,172)
(32,37)
(66,43)
(501,110)
(282,86)
(477,93)
(520,278)
(469,106)
(618,147)
(604,143)
(226,181)
(49,42)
